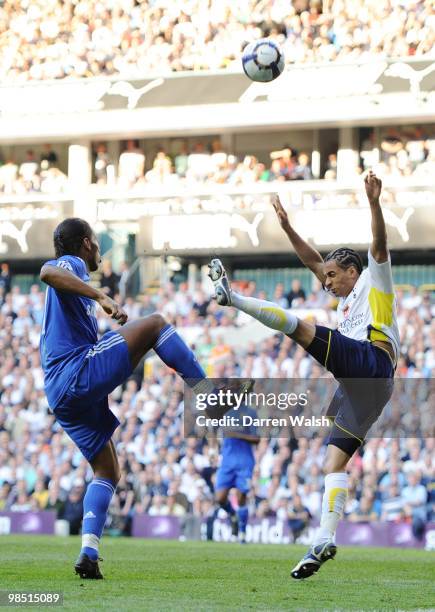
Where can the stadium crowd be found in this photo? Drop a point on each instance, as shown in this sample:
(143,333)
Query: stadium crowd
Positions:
(164,474)
(85,38)
(396,153)
(399,153)
(33,174)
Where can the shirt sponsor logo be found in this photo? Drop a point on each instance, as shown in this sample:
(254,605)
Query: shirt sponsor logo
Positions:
(351,323)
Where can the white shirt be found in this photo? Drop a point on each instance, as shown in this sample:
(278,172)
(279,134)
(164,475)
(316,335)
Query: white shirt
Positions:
(369,311)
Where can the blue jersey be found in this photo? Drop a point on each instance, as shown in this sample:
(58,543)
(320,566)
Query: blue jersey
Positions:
(237,450)
(68,328)
(238,459)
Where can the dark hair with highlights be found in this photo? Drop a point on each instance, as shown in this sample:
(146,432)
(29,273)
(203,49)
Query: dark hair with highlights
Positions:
(68,236)
(345,258)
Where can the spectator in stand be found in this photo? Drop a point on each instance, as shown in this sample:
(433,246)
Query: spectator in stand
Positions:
(28,172)
(302,170)
(275,172)
(199,164)
(103,167)
(49,158)
(392,506)
(8,176)
(5,490)
(416,147)
(121,507)
(246,171)
(41,494)
(414,497)
(23,503)
(364,512)
(369,151)
(391,144)
(161,172)
(331,167)
(296,296)
(55,501)
(109,280)
(5,277)
(287,158)
(53,180)
(279,297)
(131,165)
(181,160)
(298,517)
(72,510)
(201,303)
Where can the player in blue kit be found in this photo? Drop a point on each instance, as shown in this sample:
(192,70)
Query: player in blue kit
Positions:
(80,370)
(235,471)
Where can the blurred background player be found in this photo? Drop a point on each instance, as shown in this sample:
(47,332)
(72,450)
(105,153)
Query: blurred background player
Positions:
(235,471)
(365,346)
(80,371)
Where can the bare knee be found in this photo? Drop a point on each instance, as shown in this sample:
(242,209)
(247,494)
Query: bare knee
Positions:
(158,321)
(117,476)
(109,473)
(241,498)
(304,333)
(221,496)
(332,467)
(106,465)
(336,460)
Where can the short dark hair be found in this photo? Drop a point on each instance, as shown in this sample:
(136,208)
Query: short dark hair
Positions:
(69,234)
(345,258)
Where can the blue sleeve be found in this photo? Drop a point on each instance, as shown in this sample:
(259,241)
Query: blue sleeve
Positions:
(70,263)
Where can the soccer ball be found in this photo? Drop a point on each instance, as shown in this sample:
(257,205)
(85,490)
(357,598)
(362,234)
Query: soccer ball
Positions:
(262,60)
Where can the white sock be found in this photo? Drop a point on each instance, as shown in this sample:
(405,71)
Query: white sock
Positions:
(90,540)
(268,313)
(205,385)
(334,498)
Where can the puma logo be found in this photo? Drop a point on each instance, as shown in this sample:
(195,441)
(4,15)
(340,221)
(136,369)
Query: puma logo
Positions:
(399,223)
(9,229)
(133,95)
(240,223)
(406,72)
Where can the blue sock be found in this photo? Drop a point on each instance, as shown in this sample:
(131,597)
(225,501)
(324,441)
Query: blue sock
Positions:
(95,505)
(227,506)
(242,514)
(173,351)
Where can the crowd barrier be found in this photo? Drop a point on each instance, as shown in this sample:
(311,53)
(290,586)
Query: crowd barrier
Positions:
(259,531)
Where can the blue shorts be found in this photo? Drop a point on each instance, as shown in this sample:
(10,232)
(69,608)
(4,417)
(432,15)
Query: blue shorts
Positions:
(366,376)
(237,475)
(84,412)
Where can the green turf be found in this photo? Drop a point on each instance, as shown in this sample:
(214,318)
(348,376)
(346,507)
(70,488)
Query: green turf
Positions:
(159,575)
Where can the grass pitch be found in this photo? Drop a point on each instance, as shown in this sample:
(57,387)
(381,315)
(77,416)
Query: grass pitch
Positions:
(159,575)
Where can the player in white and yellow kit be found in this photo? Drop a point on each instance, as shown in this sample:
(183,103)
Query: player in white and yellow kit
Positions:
(361,354)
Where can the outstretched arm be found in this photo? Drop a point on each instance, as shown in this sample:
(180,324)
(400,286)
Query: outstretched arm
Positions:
(63,280)
(378,247)
(307,254)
